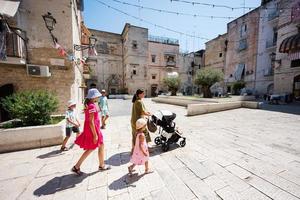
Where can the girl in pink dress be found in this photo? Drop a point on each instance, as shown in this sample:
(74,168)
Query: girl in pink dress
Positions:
(91,137)
(140,155)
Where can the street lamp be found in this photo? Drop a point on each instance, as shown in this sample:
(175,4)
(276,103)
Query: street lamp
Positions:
(50,22)
(92,43)
(273,58)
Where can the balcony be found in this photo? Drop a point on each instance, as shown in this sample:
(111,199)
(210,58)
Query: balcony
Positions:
(270,44)
(163,40)
(273,14)
(170,63)
(15,47)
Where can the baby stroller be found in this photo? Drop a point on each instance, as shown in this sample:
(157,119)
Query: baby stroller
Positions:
(168,133)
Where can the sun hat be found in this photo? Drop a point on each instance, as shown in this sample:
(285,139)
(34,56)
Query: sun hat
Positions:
(103,91)
(93,93)
(71,103)
(140,123)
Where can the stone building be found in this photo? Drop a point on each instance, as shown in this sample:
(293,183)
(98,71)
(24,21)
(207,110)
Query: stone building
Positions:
(215,52)
(132,60)
(242,34)
(267,37)
(189,64)
(30,51)
(287,59)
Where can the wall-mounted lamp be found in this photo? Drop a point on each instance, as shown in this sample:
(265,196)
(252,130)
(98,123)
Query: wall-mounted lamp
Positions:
(50,22)
(92,43)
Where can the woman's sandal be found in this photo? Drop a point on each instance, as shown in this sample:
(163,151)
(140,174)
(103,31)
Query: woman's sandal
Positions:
(76,171)
(149,171)
(104,168)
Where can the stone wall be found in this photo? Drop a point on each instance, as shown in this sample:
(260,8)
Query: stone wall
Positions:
(107,66)
(236,55)
(284,74)
(65,79)
(215,52)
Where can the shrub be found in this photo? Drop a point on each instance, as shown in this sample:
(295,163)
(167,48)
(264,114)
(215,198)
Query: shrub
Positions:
(237,86)
(31,107)
(206,78)
(173,84)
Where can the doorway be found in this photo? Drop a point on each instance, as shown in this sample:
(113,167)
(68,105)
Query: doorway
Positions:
(154,90)
(5,90)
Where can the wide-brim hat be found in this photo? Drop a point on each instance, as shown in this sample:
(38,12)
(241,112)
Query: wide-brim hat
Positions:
(103,91)
(71,103)
(140,123)
(93,93)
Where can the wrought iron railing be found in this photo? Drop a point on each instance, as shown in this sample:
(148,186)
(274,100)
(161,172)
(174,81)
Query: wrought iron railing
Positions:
(164,40)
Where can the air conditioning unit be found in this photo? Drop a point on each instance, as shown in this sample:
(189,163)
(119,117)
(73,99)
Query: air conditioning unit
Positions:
(38,70)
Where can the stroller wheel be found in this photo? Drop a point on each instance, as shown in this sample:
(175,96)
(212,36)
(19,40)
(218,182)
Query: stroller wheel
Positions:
(157,140)
(165,147)
(182,143)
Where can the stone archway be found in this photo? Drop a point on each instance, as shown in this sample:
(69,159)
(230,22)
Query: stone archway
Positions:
(114,84)
(296,87)
(270,88)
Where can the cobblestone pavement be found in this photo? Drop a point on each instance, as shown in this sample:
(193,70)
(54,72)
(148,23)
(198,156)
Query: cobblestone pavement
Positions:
(231,155)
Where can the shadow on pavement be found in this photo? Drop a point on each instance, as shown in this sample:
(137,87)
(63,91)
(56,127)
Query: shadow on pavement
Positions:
(125,181)
(50,154)
(61,183)
(293,108)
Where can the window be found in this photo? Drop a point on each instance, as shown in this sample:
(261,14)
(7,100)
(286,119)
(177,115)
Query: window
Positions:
(220,55)
(134,44)
(243,30)
(153,76)
(295,63)
(153,58)
(134,72)
(242,45)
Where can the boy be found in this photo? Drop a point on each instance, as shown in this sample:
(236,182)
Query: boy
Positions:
(72,124)
(103,108)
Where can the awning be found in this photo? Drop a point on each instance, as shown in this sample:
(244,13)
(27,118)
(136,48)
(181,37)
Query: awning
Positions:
(239,71)
(9,8)
(289,44)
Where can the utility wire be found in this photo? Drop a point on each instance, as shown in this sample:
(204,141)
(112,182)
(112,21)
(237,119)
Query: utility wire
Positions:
(181,13)
(148,22)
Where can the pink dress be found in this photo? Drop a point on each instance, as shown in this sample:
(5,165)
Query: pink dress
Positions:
(85,139)
(138,158)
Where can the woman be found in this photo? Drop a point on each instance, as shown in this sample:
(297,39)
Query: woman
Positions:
(138,111)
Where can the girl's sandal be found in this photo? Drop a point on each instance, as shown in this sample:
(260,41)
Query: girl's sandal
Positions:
(104,168)
(64,149)
(76,171)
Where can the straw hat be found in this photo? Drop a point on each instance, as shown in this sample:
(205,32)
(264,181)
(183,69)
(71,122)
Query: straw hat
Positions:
(140,123)
(93,93)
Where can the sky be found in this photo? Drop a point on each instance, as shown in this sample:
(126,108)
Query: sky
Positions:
(101,17)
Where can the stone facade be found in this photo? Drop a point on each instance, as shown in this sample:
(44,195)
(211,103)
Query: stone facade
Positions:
(215,52)
(65,79)
(189,64)
(267,38)
(242,50)
(285,75)
(132,60)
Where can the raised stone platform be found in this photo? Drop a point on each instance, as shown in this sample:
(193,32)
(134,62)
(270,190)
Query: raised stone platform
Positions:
(31,137)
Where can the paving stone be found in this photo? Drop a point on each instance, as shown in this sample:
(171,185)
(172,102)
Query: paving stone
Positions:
(201,189)
(215,183)
(162,193)
(238,171)
(100,193)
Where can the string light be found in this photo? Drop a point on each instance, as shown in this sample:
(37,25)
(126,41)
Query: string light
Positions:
(148,22)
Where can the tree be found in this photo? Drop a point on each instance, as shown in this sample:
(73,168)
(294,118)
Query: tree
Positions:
(206,78)
(173,84)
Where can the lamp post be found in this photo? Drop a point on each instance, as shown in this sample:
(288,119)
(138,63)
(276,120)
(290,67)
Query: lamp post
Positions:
(50,22)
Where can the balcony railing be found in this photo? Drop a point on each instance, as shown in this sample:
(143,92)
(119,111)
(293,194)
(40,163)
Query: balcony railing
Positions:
(170,63)
(270,43)
(15,46)
(272,15)
(164,40)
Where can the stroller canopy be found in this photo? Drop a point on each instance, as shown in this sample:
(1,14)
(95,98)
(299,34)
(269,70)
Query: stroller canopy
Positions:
(163,113)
